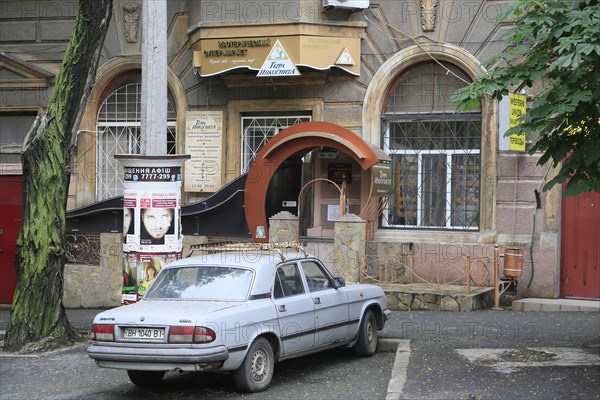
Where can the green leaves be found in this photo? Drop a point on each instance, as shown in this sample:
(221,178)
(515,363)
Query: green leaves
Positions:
(559,42)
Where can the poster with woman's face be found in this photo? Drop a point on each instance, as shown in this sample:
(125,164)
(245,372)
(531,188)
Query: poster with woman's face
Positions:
(151,264)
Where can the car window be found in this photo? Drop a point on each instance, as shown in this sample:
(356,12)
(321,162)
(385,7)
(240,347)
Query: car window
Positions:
(288,281)
(316,278)
(202,283)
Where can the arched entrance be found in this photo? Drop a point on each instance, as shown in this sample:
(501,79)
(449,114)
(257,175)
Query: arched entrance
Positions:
(291,141)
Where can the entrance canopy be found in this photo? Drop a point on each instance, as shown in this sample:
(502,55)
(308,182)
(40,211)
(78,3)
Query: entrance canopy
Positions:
(303,136)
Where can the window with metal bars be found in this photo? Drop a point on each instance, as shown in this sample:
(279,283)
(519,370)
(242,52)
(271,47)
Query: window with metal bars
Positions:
(436,153)
(118,124)
(257,130)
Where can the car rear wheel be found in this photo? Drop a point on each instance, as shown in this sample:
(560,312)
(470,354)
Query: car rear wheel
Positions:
(256,371)
(367,336)
(145,378)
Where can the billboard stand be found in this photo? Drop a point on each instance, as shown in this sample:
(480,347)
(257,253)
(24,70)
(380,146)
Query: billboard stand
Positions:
(151,219)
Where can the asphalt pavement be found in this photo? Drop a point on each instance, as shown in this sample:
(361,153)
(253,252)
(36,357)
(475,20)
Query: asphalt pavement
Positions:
(424,355)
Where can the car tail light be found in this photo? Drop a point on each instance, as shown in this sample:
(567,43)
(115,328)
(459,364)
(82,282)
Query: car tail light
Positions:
(190,334)
(181,334)
(204,335)
(103,332)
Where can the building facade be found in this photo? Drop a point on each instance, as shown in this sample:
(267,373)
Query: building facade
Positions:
(240,72)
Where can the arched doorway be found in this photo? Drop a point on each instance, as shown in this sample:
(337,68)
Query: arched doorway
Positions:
(289,144)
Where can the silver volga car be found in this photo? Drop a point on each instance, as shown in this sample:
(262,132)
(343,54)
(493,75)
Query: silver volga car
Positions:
(239,312)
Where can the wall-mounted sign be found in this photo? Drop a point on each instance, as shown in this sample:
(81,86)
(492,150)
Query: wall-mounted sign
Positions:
(511,107)
(278,63)
(204,142)
(381,174)
(339,173)
(216,56)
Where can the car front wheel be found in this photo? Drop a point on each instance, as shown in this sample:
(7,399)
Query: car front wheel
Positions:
(256,371)
(367,335)
(145,378)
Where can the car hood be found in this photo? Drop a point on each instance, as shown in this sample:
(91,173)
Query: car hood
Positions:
(159,312)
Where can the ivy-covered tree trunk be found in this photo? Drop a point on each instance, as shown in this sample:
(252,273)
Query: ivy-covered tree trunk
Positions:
(38,319)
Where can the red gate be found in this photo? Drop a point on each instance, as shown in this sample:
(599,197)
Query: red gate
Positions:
(580,246)
(10,223)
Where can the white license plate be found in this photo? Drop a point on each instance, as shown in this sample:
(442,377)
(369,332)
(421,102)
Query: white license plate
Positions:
(143,333)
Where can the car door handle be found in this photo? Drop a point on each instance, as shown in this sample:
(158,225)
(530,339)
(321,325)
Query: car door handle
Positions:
(317,300)
(282,308)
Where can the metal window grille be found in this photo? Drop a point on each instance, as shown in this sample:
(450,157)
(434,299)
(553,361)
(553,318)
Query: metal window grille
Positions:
(256,131)
(436,171)
(119,123)
(435,151)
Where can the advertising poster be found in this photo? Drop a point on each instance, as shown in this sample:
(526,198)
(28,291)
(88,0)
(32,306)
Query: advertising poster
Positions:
(151,208)
(150,265)
(129,290)
(151,224)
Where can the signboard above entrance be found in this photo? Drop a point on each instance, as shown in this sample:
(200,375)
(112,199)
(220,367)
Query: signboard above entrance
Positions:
(217,56)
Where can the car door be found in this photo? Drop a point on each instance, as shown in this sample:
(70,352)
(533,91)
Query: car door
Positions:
(331,305)
(295,310)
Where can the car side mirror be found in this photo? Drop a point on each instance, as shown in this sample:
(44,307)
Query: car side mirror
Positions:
(339,282)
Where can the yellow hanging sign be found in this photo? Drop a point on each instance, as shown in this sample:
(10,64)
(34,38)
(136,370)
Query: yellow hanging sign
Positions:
(517,107)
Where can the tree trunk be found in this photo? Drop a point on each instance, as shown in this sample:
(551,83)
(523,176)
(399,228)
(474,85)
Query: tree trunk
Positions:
(37,318)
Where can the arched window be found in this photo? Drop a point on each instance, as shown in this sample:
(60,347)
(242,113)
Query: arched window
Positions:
(434,150)
(118,124)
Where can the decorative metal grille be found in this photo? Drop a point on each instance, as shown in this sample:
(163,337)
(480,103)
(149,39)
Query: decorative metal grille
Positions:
(256,131)
(83,248)
(119,123)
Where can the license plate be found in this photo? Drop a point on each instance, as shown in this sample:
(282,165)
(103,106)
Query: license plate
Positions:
(143,333)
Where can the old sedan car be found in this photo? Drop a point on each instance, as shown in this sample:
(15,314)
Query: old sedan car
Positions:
(238,311)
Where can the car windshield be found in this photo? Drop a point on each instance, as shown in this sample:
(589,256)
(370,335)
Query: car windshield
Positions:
(202,283)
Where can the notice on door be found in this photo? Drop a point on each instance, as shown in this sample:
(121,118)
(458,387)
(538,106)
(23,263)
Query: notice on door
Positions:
(204,142)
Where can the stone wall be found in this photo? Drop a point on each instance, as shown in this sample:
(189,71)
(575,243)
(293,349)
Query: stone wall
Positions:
(99,286)
(388,262)
(96,286)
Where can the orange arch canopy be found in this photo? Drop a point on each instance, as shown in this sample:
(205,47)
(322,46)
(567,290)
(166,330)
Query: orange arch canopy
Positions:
(303,136)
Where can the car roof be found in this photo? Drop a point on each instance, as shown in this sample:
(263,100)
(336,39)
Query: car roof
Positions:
(249,259)
(262,262)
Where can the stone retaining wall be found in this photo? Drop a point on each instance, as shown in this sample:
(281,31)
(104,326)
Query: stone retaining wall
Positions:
(99,286)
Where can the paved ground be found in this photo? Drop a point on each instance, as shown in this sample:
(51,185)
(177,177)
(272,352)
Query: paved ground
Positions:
(442,355)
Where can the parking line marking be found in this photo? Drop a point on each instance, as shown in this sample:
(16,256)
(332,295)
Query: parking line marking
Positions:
(399,371)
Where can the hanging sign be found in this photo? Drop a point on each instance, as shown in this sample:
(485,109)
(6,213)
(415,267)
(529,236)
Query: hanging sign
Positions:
(381,174)
(517,107)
